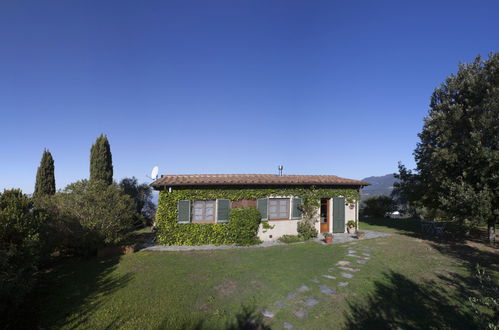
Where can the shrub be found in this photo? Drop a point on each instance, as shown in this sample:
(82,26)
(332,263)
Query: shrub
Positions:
(290,239)
(87,215)
(378,206)
(351,224)
(306,231)
(243,225)
(19,250)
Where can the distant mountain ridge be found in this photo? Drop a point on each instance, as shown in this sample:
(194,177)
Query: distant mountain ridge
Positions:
(380,185)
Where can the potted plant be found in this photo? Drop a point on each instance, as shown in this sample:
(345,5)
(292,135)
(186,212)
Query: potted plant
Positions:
(361,234)
(328,238)
(351,226)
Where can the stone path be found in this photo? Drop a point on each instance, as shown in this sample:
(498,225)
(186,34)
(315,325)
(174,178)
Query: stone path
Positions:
(302,302)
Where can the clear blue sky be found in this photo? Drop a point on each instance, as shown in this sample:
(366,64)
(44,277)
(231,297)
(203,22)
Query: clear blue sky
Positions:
(322,87)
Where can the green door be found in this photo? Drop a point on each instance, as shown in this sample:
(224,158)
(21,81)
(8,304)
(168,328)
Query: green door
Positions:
(338,215)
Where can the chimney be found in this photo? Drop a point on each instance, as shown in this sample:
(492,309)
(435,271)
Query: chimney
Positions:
(280,168)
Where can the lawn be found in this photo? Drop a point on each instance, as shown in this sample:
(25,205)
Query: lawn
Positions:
(407,282)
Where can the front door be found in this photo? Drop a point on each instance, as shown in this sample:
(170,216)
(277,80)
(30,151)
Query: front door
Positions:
(338,215)
(324,216)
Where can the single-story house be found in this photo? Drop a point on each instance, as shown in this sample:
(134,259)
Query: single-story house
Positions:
(207,199)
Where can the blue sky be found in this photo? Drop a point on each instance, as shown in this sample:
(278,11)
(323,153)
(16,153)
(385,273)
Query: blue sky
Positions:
(322,87)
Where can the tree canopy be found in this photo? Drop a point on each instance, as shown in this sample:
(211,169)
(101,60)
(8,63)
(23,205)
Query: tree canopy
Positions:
(45,177)
(101,161)
(457,157)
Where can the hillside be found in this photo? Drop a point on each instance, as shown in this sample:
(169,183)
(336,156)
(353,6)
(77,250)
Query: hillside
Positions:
(380,185)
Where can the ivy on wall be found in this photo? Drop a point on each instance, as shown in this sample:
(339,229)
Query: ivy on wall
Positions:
(172,233)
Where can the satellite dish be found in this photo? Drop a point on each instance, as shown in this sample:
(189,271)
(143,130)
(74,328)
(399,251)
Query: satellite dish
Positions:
(154,173)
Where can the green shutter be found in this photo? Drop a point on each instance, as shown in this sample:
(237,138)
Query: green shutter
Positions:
(295,208)
(223,206)
(261,205)
(184,211)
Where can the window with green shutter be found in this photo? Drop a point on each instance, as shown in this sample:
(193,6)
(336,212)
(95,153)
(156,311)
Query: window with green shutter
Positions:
(261,205)
(184,211)
(295,211)
(223,206)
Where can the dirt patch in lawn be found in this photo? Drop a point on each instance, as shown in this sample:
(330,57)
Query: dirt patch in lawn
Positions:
(227,288)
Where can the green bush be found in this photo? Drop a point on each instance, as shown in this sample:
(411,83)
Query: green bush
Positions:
(243,225)
(290,239)
(306,231)
(378,206)
(19,251)
(87,215)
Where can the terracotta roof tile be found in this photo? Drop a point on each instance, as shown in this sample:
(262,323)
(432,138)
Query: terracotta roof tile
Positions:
(252,179)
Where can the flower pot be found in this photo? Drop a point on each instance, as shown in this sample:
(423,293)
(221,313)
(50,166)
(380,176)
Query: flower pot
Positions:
(361,235)
(351,230)
(329,240)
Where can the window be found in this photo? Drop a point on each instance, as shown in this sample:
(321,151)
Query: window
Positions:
(279,208)
(203,211)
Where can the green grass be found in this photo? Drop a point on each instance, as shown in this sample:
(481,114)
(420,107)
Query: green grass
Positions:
(408,283)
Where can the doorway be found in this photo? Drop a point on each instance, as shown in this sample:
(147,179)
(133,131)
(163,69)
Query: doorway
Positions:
(338,215)
(324,215)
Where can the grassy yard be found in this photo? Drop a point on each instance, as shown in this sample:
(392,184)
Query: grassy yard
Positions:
(408,282)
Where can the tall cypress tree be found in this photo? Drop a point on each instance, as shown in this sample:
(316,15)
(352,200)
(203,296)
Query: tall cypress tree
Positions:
(101,161)
(45,178)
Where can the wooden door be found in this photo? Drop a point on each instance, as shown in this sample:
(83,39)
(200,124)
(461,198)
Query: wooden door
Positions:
(324,215)
(338,215)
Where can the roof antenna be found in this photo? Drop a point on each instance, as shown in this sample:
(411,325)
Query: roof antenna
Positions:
(280,168)
(154,173)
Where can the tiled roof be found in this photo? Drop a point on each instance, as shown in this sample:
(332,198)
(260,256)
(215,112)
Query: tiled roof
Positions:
(252,179)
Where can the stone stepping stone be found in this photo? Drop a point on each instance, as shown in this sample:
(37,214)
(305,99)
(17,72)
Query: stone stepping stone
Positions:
(303,288)
(331,277)
(327,290)
(343,284)
(353,255)
(268,313)
(366,254)
(315,280)
(361,261)
(348,269)
(347,275)
(311,302)
(291,295)
(300,313)
(352,251)
(287,325)
(279,304)
(343,263)
(367,258)
(331,270)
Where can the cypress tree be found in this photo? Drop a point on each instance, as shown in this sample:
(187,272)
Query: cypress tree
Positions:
(101,161)
(45,178)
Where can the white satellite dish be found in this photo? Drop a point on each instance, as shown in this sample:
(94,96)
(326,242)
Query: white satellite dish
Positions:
(154,173)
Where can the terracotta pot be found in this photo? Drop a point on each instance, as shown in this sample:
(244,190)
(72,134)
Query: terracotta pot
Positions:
(329,240)
(361,236)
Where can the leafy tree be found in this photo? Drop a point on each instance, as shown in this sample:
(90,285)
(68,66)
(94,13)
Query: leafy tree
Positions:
(101,161)
(19,245)
(141,194)
(45,178)
(378,206)
(458,154)
(89,214)
(408,190)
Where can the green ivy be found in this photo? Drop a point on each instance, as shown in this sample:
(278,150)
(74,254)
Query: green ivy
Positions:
(172,233)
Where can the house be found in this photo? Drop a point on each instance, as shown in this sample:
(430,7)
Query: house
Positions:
(205,199)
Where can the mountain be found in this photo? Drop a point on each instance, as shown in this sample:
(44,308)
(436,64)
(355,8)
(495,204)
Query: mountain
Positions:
(380,185)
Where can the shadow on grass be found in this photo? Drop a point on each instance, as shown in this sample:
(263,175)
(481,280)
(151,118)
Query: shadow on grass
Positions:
(72,292)
(400,303)
(247,319)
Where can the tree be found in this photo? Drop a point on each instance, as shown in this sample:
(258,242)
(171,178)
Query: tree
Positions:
(101,161)
(45,178)
(458,154)
(378,206)
(408,190)
(141,194)
(19,252)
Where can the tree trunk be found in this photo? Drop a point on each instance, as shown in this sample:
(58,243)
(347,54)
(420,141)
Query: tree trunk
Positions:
(492,232)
